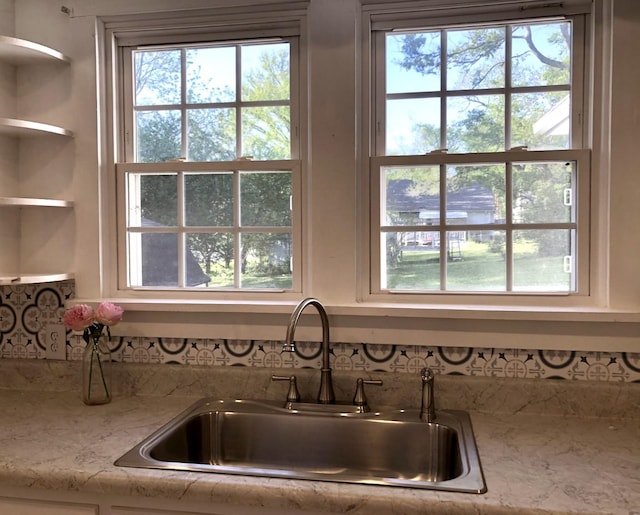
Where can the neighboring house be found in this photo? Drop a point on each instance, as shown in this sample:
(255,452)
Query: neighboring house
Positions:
(475,204)
(160,260)
(555,122)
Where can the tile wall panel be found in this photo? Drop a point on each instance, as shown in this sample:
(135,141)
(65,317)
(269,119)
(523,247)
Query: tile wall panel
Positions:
(27,310)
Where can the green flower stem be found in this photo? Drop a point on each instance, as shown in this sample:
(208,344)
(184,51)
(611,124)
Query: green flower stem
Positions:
(93,350)
(92,337)
(104,382)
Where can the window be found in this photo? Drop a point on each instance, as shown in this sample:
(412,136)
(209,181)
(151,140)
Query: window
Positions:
(208,169)
(479,165)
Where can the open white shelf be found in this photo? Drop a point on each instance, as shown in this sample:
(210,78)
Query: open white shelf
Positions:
(22,128)
(34,278)
(33,238)
(19,51)
(35,202)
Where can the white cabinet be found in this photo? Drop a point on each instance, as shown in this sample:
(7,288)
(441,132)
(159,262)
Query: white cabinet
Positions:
(122,510)
(59,501)
(36,507)
(37,229)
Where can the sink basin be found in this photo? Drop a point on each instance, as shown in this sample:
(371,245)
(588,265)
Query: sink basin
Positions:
(327,443)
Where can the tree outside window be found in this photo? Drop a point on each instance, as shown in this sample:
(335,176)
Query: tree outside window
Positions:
(217,103)
(500,216)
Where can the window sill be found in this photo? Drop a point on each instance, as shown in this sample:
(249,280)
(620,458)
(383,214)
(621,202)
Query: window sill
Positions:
(377,323)
(381,309)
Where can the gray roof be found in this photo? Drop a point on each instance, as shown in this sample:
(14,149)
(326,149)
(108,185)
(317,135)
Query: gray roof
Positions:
(401,199)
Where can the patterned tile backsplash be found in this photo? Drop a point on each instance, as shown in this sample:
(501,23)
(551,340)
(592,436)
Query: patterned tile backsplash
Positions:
(26,311)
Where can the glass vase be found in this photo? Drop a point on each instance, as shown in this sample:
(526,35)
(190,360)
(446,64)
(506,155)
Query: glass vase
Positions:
(96,371)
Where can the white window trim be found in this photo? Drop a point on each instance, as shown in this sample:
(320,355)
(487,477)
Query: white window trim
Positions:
(277,20)
(379,17)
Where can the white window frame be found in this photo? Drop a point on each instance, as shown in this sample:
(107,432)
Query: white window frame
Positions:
(378,21)
(275,22)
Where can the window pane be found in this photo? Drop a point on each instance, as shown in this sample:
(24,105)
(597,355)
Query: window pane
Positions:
(541,120)
(476,264)
(475,123)
(411,260)
(221,100)
(265,72)
(475,194)
(209,260)
(411,195)
(266,132)
(543,192)
(413,126)
(157,259)
(265,199)
(208,199)
(155,198)
(413,62)
(211,134)
(541,54)
(158,136)
(476,89)
(542,260)
(266,260)
(211,75)
(475,58)
(157,77)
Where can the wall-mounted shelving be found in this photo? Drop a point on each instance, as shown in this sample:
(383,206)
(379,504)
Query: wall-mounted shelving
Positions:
(33,279)
(33,237)
(20,51)
(26,128)
(33,202)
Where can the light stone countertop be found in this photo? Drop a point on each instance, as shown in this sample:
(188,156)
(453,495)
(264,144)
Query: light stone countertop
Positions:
(532,463)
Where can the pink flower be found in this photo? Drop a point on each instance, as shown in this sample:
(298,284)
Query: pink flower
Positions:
(78,317)
(108,314)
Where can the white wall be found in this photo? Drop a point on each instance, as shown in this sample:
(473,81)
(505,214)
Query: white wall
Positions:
(625,159)
(7,15)
(333,72)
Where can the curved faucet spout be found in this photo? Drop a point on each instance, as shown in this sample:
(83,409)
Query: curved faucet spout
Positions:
(326,394)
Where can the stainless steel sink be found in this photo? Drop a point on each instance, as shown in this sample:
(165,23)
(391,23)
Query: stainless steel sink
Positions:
(327,443)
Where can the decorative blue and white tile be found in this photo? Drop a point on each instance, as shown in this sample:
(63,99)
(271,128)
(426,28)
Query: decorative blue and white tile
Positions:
(26,310)
(25,313)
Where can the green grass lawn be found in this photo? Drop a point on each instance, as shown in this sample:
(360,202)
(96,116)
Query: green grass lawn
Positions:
(479,269)
(222,277)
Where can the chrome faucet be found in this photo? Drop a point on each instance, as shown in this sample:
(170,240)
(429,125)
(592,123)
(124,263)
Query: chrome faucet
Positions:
(325,395)
(428,407)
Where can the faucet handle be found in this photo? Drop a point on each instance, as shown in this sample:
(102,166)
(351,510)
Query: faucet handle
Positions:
(289,347)
(360,399)
(292,395)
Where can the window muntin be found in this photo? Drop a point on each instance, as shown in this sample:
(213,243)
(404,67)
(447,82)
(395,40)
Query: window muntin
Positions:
(209,180)
(442,230)
(442,85)
(446,117)
(211,103)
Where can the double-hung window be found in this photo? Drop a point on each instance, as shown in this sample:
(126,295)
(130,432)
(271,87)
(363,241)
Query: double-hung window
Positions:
(208,166)
(480,162)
